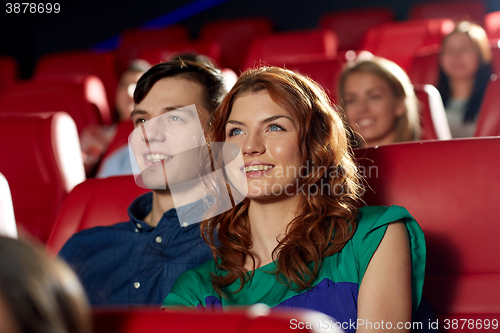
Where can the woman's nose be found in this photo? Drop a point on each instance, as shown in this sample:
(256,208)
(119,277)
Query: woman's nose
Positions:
(253,145)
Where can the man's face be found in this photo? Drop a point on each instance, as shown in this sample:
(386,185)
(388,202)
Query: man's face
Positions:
(168,132)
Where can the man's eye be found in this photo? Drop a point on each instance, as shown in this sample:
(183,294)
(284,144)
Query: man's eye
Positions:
(175,118)
(140,120)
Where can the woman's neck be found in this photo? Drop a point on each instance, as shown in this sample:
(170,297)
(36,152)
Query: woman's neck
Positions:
(268,222)
(461,88)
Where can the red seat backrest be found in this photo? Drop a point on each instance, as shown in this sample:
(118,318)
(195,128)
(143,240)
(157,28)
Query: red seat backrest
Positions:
(488,122)
(74,64)
(425,69)
(136,40)
(84,99)
(495,50)
(123,130)
(42,165)
(433,121)
(401,41)
(162,54)
(456,10)
(9,72)
(450,187)
(235,37)
(243,320)
(95,202)
(350,25)
(293,46)
(325,72)
(7,219)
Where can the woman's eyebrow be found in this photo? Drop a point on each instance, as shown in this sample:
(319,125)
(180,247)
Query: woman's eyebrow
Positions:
(265,121)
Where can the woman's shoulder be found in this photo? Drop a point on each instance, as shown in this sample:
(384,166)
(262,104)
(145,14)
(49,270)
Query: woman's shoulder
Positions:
(372,224)
(372,217)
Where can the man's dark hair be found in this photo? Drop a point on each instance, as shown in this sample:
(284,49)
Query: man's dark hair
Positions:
(209,77)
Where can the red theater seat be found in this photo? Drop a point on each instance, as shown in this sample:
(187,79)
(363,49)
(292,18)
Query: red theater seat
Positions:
(425,68)
(235,37)
(95,202)
(7,220)
(434,123)
(325,72)
(84,99)
(495,50)
(293,46)
(134,41)
(243,320)
(402,41)
(488,123)
(9,70)
(161,54)
(350,25)
(74,64)
(451,188)
(123,130)
(455,10)
(42,163)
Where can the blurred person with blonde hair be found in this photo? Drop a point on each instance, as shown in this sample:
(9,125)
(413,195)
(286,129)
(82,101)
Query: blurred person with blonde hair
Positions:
(379,102)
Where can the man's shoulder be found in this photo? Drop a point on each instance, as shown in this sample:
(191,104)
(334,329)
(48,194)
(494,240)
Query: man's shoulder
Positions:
(94,237)
(109,229)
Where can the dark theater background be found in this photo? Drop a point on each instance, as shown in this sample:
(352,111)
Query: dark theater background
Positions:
(83,24)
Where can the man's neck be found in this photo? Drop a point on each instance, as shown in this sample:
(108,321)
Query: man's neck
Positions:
(162,202)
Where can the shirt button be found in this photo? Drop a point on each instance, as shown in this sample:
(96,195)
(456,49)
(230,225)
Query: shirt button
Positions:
(137,285)
(158,239)
(185,224)
(139,226)
(136,230)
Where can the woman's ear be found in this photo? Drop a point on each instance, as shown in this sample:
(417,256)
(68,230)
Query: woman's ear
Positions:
(400,107)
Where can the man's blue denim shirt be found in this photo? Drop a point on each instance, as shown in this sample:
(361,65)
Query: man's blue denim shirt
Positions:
(132,263)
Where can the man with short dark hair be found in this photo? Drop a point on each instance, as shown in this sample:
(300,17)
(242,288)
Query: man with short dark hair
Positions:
(137,262)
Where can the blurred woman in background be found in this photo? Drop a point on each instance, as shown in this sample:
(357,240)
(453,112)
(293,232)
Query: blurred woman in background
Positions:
(465,71)
(379,102)
(39,294)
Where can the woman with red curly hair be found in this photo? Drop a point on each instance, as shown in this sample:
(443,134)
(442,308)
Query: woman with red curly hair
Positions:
(299,239)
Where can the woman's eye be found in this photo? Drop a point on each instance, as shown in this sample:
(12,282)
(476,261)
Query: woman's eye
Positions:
(376,97)
(235,131)
(175,118)
(275,127)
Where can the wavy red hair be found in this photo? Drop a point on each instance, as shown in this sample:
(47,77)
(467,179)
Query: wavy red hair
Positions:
(326,222)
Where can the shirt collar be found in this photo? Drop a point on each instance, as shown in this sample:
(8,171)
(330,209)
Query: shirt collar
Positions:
(141,207)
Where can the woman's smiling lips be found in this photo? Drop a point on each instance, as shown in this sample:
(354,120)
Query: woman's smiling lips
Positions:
(256,169)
